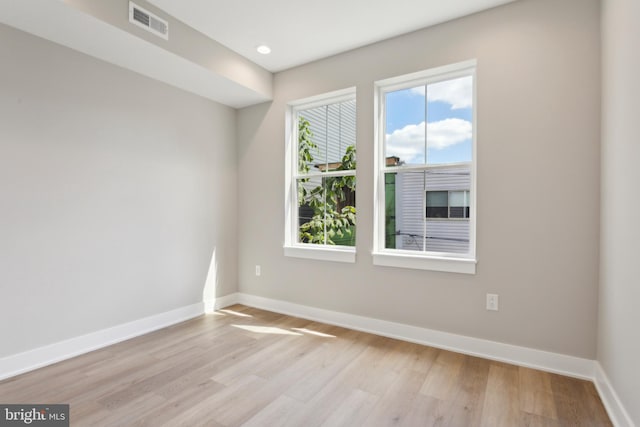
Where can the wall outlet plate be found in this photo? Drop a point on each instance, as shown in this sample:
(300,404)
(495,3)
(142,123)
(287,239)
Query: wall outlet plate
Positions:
(492,302)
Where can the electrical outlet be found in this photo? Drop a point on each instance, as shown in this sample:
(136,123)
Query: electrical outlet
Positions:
(492,302)
(258,272)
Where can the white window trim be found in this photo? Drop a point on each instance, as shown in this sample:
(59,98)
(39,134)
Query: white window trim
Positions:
(407,259)
(291,246)
(435,261)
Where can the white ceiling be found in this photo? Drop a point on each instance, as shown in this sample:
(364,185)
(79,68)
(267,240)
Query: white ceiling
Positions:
(303,31)
(297,31)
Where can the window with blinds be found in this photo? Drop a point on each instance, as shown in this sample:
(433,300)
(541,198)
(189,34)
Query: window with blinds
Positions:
(322,191)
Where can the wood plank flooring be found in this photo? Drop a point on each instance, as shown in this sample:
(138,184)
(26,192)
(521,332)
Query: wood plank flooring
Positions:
(247,367)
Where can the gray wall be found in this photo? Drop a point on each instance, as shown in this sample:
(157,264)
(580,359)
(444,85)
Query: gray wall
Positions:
(618,343)
(114,191)
(538,124)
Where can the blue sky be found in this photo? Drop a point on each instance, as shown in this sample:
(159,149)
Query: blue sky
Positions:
(449,117)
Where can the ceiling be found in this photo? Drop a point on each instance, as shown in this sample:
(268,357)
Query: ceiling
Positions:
(225,34)
(303,31)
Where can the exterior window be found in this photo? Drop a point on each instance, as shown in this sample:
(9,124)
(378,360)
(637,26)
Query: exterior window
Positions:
(321,171)
(425,170)
(448,204)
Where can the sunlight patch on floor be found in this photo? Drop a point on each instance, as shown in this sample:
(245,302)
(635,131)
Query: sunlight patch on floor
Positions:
(266,330)
(316,333)
(235,313)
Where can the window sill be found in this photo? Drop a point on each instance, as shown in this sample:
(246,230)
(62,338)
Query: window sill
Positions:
(322,253)
(422,262)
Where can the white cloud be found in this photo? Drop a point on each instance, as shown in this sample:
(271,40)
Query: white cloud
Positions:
(408,143)
(456,92)
(448,132)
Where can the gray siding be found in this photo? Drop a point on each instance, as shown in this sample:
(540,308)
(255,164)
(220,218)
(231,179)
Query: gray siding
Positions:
(334,129)
(442,235)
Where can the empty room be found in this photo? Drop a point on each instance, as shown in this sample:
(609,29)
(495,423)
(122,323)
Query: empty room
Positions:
(337,213)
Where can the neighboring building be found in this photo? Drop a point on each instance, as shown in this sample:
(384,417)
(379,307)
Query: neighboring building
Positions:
(431,209)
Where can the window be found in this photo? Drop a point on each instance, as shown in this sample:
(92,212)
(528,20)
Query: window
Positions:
(321,178)
(447,204)
(425,170)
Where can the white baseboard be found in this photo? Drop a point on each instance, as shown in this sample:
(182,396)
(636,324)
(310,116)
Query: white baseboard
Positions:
(616,410)
(33,359)
(521,356)
(221,302)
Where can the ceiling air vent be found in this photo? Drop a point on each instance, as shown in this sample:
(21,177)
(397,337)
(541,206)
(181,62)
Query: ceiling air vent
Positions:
(147,20)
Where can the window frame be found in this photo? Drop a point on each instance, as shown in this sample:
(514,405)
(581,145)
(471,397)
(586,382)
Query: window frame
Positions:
(435,261)
(292,247)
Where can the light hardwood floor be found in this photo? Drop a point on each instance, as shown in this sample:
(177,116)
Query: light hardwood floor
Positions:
(244,366)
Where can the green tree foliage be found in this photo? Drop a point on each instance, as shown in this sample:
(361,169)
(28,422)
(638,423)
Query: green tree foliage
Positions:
(332,202)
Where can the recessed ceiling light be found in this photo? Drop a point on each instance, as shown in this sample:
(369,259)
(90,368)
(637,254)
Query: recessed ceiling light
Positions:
(264,49)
